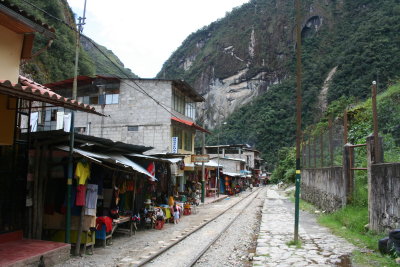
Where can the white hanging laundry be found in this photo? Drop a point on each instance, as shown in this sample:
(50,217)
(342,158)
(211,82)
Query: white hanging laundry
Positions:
(67,122)
(34,121)
(60,120)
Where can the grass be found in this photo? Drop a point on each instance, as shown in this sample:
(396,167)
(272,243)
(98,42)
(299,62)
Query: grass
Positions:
(349,223)
(294,243)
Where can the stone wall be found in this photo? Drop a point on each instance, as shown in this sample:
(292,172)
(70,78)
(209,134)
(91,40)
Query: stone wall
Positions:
(324,188)
(384,202)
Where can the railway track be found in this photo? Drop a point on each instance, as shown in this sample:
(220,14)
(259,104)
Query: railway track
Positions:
(190,247)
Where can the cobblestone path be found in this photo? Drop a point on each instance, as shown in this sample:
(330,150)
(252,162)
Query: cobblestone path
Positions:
(318,246)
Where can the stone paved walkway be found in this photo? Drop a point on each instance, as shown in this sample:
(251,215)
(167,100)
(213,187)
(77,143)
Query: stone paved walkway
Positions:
(318,246)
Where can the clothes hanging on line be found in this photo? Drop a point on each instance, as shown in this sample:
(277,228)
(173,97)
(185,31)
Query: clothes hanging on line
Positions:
(82,172)
(91,199)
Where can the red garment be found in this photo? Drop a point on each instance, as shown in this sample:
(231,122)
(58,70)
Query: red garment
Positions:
(104,220)
(80,195)
(151,168)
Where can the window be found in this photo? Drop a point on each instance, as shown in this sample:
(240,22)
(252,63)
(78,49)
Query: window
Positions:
(112,99)
(188,141)
(178,133)
(109,96)
(178,101)
(93,100)
(191,110)
(133,128)
(83,99)
(80,130)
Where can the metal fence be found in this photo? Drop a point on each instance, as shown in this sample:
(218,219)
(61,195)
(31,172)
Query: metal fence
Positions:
(323,147)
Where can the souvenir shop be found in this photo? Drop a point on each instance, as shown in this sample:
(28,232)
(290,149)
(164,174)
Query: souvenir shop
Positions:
(232,183)
(107,194)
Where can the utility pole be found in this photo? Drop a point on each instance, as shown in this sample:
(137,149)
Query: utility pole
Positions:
(72,134)
(375,122)
(203,152)
(298,118)
(217,182)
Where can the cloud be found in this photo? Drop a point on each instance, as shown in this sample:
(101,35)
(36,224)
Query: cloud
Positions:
(143,34)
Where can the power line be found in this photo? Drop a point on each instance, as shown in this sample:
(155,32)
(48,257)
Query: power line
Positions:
(139,89)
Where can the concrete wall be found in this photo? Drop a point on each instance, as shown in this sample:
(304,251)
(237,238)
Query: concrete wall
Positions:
(229,165)
(135,109)
(10,54)
(324,187)
(384,202)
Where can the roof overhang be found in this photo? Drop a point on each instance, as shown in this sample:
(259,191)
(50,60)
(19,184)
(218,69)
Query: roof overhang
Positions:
(81,79)
(190,124)
(17,20)
(96,144)
(112,158)
(32,91)
(233,174)
(188,90)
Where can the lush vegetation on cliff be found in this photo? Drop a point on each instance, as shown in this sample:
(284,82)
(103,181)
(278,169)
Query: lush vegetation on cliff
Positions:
(57,62)
(363,43)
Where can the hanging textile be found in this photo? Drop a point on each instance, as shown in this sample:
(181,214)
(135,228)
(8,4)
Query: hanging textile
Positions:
(91,199)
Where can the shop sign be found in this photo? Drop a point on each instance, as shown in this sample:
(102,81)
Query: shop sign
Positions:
(174,145)
(200,158)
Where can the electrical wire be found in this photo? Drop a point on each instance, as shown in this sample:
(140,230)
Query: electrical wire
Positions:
(139,88)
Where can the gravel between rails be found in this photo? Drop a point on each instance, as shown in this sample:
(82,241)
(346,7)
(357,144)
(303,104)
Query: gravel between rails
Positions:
(127,251)
(233,245)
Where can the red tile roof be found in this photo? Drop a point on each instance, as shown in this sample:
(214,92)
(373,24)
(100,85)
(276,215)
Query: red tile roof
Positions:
(190,123)
(30,90)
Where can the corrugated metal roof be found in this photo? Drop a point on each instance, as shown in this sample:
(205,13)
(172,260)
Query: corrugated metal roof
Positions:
(29,90)
(82,80)
(113,158)
(233,174)
(96,144)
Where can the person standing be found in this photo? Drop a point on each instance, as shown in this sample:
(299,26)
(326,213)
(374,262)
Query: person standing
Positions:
(175,209)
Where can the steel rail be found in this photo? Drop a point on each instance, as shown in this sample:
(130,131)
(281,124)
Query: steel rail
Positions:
(160,252)
(220,234)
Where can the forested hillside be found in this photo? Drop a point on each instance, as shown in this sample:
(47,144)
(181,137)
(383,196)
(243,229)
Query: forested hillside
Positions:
(57,62)
(355,41)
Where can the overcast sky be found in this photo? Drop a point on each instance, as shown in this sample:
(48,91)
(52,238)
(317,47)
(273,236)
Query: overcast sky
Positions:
(145,33)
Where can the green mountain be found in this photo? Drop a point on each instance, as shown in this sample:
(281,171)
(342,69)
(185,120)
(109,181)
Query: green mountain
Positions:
(244,64)
(57,61)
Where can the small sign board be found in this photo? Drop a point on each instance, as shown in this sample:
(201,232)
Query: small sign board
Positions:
(200,158)
(174,145)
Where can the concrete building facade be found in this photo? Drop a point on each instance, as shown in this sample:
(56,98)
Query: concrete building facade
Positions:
(147,112)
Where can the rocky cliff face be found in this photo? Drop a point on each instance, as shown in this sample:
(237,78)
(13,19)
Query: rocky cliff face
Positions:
(241,56)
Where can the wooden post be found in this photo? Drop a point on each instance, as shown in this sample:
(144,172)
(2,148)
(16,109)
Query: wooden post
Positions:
(371,160)
(321,139)
(330,140)
(41,190)
(347,165)
(309,153)
(38,160)
(345,127)
(375,123)
(315,152)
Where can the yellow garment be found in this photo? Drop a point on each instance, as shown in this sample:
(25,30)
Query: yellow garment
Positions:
(82,172)
(171,201)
